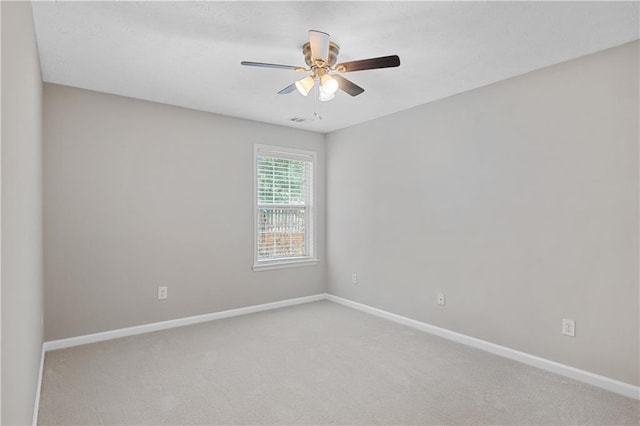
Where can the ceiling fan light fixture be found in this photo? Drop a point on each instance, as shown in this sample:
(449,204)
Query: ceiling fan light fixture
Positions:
(321,54)
(304,85)
(329,85)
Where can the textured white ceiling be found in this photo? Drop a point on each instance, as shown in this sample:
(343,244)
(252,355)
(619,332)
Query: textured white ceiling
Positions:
(188,53)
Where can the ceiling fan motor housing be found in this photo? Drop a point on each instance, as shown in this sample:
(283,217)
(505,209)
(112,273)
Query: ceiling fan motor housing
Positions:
(334,49)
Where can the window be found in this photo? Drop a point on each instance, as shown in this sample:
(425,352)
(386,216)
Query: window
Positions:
(284,207)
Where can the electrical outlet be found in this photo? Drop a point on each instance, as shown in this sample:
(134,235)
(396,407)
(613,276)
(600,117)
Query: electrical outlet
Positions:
(441,299)
(162,293)
(568,327)
(354,278)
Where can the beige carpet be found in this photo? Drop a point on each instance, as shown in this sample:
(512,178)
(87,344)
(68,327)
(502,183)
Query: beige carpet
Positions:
(317,363)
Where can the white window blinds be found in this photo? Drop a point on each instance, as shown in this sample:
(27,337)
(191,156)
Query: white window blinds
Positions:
(284,205)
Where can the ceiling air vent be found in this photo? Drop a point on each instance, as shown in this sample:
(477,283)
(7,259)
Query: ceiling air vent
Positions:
(298,119)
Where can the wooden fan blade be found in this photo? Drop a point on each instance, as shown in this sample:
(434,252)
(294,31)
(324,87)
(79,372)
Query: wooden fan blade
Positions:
(319,43)
(369,64)
(290,88)
(348,86)
(266,65)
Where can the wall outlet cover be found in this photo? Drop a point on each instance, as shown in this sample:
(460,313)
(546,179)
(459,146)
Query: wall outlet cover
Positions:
(568,327)
(163,293)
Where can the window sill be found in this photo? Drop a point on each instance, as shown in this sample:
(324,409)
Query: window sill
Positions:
(280,264)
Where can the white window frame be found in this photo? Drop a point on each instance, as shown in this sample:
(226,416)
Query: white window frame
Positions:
(310,237)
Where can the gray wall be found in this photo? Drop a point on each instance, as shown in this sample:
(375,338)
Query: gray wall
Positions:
(139,195)
(518,200)
(21,213)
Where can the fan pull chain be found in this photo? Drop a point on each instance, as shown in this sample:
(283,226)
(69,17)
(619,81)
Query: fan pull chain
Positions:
(318,103)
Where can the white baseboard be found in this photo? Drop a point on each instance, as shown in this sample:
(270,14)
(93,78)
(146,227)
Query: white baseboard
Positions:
(36,405)
(603,382)
(163,325)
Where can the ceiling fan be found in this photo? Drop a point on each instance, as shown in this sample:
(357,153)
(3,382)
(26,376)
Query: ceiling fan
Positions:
(321,56)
